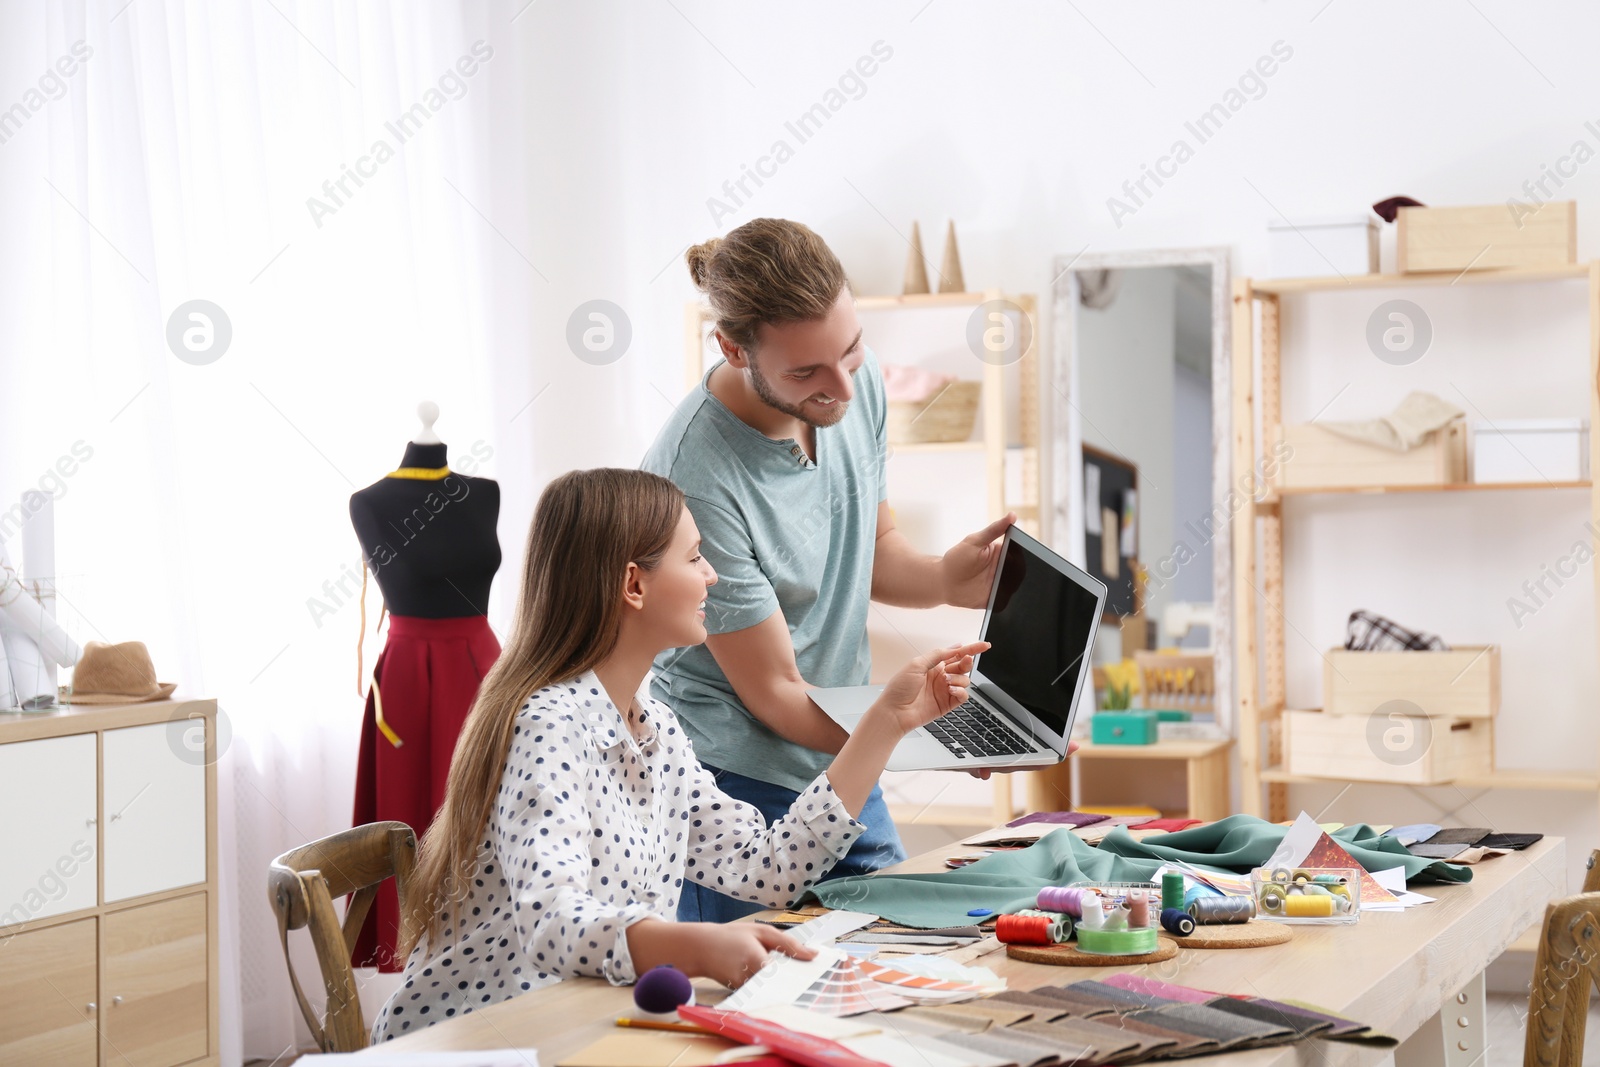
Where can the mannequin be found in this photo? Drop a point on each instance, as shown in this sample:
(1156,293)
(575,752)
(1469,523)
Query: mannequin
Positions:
(428,536)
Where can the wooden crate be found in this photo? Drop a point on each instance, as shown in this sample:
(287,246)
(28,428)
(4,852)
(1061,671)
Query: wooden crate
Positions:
(1321,459)
(1461,683)
(1412,750)
(1487,237)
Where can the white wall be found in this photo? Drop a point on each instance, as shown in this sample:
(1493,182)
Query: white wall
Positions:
(1020,121)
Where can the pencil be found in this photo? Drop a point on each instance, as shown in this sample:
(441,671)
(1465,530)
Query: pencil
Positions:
(651,1024)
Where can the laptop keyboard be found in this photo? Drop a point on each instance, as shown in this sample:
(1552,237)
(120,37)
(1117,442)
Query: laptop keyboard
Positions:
(969,731)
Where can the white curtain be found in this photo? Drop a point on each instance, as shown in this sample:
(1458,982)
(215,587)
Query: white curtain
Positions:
(320,174)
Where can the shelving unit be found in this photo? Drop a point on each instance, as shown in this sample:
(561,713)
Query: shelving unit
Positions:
(992,444)
(1260,623)
(1205,766)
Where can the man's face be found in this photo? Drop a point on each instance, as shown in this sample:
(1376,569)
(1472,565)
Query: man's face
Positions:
(805,369)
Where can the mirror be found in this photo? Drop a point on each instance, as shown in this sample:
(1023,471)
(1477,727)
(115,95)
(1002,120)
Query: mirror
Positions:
(1140,455)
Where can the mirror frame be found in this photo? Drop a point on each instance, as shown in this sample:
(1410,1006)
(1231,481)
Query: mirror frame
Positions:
(1066,433)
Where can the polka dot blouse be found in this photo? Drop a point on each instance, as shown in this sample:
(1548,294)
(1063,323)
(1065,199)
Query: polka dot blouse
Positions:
(594,830)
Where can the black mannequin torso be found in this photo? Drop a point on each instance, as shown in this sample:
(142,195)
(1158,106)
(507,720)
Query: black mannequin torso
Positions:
(430,543)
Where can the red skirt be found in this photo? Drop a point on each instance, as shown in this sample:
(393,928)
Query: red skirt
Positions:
(428,674)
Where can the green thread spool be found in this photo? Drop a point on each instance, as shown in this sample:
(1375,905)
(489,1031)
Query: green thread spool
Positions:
(1172,891)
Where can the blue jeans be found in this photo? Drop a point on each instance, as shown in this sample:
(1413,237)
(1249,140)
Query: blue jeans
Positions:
(878,847)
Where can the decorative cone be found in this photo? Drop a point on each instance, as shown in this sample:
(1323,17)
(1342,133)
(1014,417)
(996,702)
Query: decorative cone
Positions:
(916,269)
(950,280)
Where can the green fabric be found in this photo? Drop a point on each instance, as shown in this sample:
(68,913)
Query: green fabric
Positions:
(1008,881)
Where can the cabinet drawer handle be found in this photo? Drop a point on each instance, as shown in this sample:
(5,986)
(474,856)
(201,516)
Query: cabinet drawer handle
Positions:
(115,816)
(115,1001)
(89,821)
(89,1007)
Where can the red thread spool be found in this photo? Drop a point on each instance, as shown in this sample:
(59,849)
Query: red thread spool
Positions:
(1027,930)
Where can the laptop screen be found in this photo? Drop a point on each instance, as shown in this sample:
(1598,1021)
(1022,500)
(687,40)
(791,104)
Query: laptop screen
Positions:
(1040,627)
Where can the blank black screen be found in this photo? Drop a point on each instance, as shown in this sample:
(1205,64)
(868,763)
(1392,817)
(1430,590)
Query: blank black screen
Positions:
(1040,630)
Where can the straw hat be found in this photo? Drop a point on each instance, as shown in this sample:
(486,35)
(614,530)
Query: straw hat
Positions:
(116,674)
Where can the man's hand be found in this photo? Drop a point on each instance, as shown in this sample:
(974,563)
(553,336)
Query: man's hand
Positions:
(983,774)
(968,568)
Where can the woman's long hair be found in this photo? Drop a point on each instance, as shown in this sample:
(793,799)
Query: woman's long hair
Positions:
(588,526)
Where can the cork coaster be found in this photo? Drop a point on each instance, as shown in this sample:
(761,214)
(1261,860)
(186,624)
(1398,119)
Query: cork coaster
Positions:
(1253,934)
(1069,955)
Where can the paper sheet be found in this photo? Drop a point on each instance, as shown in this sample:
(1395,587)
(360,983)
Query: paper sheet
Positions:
(1091,500)
(376,1057)
(1110,562)
(826,929)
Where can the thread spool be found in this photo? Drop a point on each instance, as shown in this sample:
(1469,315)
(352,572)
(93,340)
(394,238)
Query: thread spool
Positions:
(1176,921)
(1029,930)
(1172,891)
(1138,909)
(1209,911)
(1069,900)
(1307,906)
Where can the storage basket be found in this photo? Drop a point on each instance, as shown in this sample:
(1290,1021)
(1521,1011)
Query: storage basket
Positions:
(948,416)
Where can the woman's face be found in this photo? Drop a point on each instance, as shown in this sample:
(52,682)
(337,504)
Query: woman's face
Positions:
(675,592)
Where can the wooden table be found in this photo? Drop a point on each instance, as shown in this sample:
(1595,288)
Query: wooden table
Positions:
(1394,971)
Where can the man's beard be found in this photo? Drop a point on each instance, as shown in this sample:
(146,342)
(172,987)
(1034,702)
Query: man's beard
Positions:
(768,397)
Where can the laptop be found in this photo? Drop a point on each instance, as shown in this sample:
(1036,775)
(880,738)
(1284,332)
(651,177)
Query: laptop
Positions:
(1041,620)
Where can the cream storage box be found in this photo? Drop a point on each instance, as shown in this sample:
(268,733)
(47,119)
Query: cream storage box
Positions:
(1530,450)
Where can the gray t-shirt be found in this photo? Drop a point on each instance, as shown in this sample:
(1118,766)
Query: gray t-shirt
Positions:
(784,534)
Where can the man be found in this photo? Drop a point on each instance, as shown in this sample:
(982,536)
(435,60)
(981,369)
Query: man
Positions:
(781,454)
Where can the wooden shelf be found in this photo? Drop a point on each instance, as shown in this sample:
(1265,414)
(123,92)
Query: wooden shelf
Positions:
(921,300)
(1184,750)
(1458,487)
(943,815)
(1561,782)
(912,448)
(1335,282)
(1261,628)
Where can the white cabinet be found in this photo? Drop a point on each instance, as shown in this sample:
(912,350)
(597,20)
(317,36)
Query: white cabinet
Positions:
(108,892)
(155,811)
(47,828)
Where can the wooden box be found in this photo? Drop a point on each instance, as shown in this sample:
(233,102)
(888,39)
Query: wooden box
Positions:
(1488,237)
(1462,683)
(1318,458)
(1412,750)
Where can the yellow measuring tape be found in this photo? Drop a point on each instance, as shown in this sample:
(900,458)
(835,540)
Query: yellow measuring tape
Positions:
(427,474)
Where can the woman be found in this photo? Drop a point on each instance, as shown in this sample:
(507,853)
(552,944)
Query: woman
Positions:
(575,806)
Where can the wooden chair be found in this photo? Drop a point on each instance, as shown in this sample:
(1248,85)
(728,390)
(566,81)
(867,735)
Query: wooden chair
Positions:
(1566,968)
(1178,681)
(303,884)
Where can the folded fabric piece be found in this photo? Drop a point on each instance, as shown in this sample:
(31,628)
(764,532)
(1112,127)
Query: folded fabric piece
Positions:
(1017,1047)
(1187,1044)
(1112,1042)
(1138,983)
(1302,1024)
(1514,842)
(1045,1009)
(912,384)
(1460,835)
(1009,881)
(1437,850)
(1344,1029)
(1231,1029)
(1089,989)
(1410,835)
(1169,825)
(1368,631)
(1082,1007)
(1064,818)
(1404,428)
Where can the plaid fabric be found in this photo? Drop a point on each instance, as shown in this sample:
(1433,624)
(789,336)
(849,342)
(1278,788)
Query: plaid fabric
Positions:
(1371,632)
